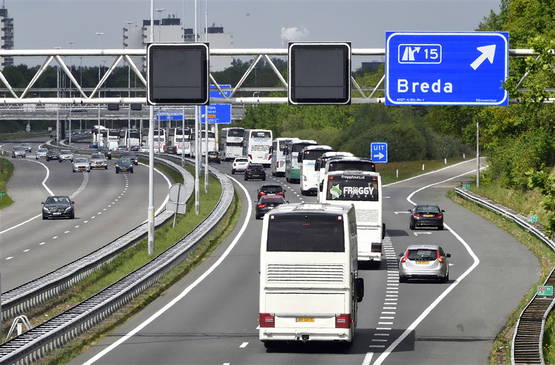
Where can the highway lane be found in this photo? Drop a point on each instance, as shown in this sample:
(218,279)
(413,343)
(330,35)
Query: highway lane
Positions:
(216,322)
(108,206)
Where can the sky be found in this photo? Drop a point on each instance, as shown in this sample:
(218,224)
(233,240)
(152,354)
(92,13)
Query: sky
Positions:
(42,24)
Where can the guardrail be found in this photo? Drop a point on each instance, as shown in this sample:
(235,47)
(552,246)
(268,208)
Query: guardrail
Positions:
(54,333)
(24,297)
(526,347)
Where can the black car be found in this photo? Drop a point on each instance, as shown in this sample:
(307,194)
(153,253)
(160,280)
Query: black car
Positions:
(270,189)
(214,156)
(255,171)
(58,206)
(132,156)
(267,203)
(426,215)
(52,155)
(135,148)
(124,165)
(106,152)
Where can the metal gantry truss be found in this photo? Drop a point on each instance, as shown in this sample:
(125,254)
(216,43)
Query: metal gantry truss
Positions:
(124,56)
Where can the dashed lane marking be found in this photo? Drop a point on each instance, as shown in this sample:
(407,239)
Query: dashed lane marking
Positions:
(66,232)
(9,258)
(42,243)
(55,237)
(243,345)
(85,222)
(27,250)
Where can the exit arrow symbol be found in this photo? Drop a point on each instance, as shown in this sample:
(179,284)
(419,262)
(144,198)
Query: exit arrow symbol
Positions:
(488,52)
(380,155)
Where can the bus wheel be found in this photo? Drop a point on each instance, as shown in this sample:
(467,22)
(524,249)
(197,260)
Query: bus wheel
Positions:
(269,345)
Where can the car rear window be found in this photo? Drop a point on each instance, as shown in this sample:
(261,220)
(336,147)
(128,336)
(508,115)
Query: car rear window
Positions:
(427,209)
(241,160)
(272,188)
(422,254)
(305,232)
(272,200)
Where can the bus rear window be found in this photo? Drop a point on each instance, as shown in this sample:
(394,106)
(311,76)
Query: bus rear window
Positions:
(305,233)
(352,166)
(260,134)
(235,133)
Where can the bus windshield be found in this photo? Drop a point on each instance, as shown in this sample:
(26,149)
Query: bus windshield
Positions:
(352,188)
(306,232)
(298,147)
(313,154)
(351,165)
(260,134)
(235,133)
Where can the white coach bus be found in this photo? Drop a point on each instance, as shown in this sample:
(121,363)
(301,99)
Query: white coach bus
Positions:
(278,155)
(231,142)
(363,189)
(256,146)
(181,139)
(309,285)
(307,161)
(292,169)
(320,165)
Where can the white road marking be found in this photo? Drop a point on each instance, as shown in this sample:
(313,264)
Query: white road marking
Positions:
(55,237)
(377,346)
(387,317)
(378,340)
(186,290)
(27,250)
(109,205)
(93,217)
(42,243)
(449,289)
(85,221)
(66,232)
(401,212)
(419,233)
(382,334)
(243,345)
(385,323)
(390,308)
(104,209)
(367,358)
(383,328)
(77,226)
(9,258)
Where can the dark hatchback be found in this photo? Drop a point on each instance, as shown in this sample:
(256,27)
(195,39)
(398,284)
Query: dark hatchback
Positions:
(132,156)
(426,215)
(214,156)
(58,206)
(52,155)
(270,189)
(267,203)
(124,165)
(106,152)
(255,171)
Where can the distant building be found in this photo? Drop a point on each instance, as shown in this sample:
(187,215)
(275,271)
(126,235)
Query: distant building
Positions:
(6,35)
(170,30)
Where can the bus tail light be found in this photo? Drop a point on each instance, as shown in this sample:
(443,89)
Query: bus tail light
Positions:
(343,321)
(266,320)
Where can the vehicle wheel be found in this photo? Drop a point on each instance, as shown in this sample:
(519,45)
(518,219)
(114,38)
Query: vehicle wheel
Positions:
(411,226)
(131,171)
(60,161)
(117,171)
(105,167)
(402,279)
(445,279)
(72,216)
(263,179)
(269,345)
(74,171)
(232,172)
(44,217)
(246,178)
(440,227)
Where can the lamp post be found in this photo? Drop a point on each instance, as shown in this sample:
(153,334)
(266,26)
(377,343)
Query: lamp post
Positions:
(99,34)
(128,90)
(58,96)
(150,213)
(159,11)
(197,137)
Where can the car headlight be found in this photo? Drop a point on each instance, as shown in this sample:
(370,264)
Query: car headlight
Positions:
(67,209)
(45,209)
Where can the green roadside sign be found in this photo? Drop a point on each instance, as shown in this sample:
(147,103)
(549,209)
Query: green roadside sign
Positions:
(545,290)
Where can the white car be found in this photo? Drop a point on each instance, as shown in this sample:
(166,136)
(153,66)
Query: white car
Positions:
(41,152)
(81,164)
(98,161)
(66,155)
(239,164)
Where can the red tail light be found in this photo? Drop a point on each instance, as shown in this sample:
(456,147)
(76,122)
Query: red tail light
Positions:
(343,321)
(404,258)
(249,156)
(415,215)
(439,216)
(280,193)
(270,156)
(266,320)
(439,258)
(261,193)
(261,206)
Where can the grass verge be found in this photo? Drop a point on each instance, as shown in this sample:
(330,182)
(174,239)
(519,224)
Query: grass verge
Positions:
(21,135)
(6,172)
(203,250)
(501,350)
(408,169)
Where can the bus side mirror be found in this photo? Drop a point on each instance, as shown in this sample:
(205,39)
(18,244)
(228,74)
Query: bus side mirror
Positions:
(359,289)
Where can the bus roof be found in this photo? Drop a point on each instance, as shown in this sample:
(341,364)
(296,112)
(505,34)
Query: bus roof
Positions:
(299,141)
(318,147)
(353,172)
(331,154)
(311,208)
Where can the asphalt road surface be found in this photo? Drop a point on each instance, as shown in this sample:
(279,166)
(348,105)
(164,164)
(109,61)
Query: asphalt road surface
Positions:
(210,317)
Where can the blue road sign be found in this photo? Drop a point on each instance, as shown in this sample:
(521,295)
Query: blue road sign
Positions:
(215,93)
(167,116)
(217,113)
(378,152)
(446,68)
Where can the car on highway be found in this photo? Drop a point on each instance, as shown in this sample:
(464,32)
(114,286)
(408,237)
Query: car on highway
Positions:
(132,156)
(81,164)
(135,148)
(124,165)
(98,161)
(106,151)
(270,189)
(214,156)
(19,151)
(239,164)
(52,154)
(424,262)
(27,146)
(426,215)
(58,206)
(41,152)
(255,171)
(267,203)
(65,155)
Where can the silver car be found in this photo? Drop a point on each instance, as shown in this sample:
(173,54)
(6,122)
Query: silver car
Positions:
(19,151)
(66,155)
(41,152)
(424,262)
(98,161)
(81,164)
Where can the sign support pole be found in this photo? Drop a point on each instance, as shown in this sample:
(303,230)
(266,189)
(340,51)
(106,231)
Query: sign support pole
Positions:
(206,145)
(183,139)
(197,144)
(150,213)
(477,154)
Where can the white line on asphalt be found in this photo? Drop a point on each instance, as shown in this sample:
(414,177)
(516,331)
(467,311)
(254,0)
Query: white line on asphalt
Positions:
(382,334)
(383,328)
(109,205)
(186,290)
(66,232)
(243,345)
(378,340)
(85,221)
(449,289)
(93,217)
(226,363)
(9,258)
(427,173)
(384,312)
(376,346)
(104,209)
(390,308)
(27,250)
(77,226)
(55,237)
(42,243)
(385,323)
(163,205)
(367,358)
(82,187)
(387,317)
(99,213)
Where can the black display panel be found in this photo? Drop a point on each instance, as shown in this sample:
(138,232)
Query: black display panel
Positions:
(319,73)
(178,74)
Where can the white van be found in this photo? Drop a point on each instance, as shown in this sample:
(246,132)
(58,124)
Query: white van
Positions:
(309,285)
(363,189)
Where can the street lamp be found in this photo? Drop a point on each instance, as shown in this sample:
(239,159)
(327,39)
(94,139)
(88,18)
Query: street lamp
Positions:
(99,34)
(159,11)
(128,85)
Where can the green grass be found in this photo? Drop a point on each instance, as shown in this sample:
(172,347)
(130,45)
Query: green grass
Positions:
(21,135)
(501,350)
(203,250)
(410,168)
(6,172)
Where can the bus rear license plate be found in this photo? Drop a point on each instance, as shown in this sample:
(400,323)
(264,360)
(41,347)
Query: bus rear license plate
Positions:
(305,319)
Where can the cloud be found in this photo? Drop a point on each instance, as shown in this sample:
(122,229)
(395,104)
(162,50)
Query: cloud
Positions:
(289,34)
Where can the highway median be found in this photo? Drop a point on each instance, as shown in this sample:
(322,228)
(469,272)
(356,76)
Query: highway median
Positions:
(6,172)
